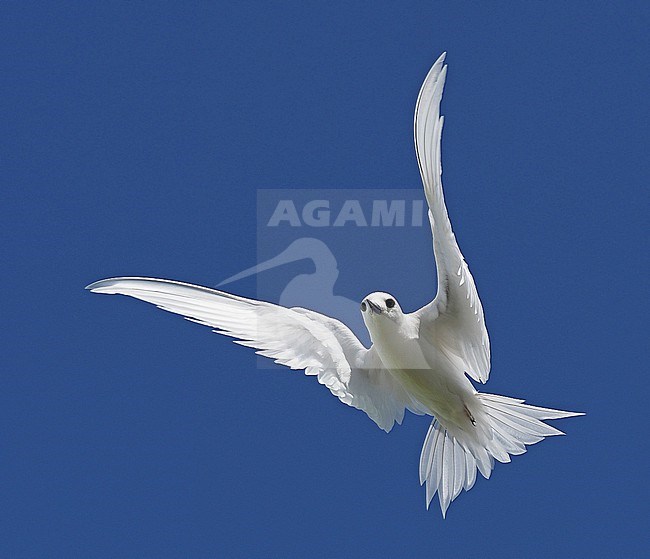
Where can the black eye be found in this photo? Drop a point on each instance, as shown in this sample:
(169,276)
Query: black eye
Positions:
(390,303)
(363,307)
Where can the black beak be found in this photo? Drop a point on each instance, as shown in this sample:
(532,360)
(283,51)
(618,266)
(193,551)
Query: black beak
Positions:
(373,307)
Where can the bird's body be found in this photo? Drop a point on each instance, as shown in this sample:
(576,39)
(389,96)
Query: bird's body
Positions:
(418,361)
(422,369)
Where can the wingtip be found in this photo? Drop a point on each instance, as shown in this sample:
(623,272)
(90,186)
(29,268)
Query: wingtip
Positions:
(95,286)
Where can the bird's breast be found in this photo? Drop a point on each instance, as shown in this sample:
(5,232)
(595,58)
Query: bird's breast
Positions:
(424,373)
(396,347)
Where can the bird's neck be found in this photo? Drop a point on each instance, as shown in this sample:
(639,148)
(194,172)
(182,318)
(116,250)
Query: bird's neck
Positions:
(397,344)
(385,331)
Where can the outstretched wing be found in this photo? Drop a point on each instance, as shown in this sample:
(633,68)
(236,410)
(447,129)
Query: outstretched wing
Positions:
(454,319)
(297,338)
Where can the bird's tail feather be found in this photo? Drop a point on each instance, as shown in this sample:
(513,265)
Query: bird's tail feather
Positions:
(450,457)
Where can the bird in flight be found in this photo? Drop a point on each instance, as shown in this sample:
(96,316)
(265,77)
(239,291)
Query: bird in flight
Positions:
(417,361)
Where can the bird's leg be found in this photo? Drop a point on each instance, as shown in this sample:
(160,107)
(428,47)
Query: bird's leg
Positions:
(469,414)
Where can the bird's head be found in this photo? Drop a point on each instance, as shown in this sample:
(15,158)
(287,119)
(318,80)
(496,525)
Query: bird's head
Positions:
(378,307)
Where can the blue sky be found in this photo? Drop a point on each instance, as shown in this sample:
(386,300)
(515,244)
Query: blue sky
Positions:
(135,139)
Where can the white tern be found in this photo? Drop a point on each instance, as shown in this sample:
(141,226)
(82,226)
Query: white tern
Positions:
(418,361)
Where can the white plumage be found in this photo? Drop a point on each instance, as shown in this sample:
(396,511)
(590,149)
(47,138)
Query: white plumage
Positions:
(417,361)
